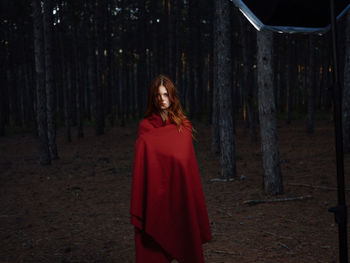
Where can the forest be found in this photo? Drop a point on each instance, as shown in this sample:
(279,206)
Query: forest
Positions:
(74,83)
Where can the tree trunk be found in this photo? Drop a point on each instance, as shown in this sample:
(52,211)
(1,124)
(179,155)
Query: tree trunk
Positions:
(196,37)
(3,96)
(248,48)
(276,61)
(100,68)
(68,101)
(28,98)
(171,39)
(224,87)
(162,37)
(78,83)
(155,44)
(185,85)
(72,81)
(346,91)
(133,93)
(59,73)
(40,84)
(3,87)
(190,51)
(210,83)
(178,55)
(50,85)
(215,135)
(128,91)
(14,92)
(272,177)
(310,87)
(291,79)
(91,61)
(141,80)
(283,71)
(326,76)
(211,71)
(108,95)
(65,87)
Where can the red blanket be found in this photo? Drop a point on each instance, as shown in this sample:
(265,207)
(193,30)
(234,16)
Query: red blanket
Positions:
(167,200)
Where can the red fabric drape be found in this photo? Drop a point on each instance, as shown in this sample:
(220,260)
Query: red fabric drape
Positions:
(167,200)
(147,250)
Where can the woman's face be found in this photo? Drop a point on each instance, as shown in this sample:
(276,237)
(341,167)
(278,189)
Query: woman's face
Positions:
(163,98)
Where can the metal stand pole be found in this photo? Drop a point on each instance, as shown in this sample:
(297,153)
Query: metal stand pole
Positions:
(340,211)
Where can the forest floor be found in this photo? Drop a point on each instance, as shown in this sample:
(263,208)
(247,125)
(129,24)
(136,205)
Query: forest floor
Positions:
(77,209)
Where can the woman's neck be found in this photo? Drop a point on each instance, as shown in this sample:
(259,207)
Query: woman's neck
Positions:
(164,115)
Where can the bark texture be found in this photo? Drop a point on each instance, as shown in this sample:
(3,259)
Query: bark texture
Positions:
(310,87)
(99,117)
(346,91)
(215,136)
(49,79)
(272,176)
(224,87)
(44,153)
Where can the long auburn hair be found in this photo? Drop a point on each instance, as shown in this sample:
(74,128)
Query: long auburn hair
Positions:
(175,112)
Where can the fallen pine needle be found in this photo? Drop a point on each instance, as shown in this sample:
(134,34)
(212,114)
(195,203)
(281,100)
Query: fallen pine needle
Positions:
(221,180)
(224,212)
(225,252)
(273,234)
(255,202)
(283,245)
(317,187)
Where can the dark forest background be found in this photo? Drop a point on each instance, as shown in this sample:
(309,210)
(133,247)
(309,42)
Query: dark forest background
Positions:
(78,63)
(78,69)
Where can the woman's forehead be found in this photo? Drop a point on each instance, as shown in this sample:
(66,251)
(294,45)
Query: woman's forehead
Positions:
(162,89)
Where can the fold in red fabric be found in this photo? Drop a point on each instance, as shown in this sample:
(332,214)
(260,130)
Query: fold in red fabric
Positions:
(147,250)
(167,200)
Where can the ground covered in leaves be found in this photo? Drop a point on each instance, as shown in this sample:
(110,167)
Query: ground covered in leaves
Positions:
(77,209)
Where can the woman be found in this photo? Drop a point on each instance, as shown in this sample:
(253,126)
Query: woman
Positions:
(167,203)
